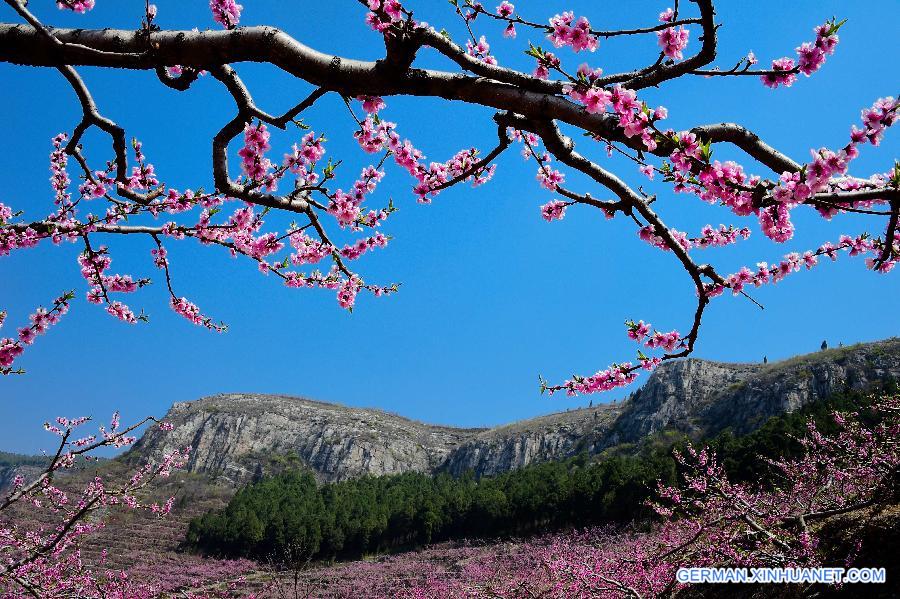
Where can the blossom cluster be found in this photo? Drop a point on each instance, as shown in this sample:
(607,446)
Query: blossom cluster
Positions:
(635,118)
(94,265)
(672,41)
(811,57)
(226,12)
(363,245)
(374,136)
(709,237)
(616,375)
(553,210)
(545,62)
(505,11)
(253,160)
(143,176)
(565,30)
(638,331)
(383,14)
(480,50)
(41,320)
(79,6)
(794,262)
(191,312)
(826,167)
(345,207)
(620,375)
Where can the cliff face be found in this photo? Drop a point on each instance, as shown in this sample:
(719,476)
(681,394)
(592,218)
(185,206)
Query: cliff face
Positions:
(238,437)
(516,445)
(9,472)
(696,396)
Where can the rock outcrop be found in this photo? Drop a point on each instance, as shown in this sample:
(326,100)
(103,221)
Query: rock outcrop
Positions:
(238,437)
(701,397)
(9,472)
(551,437)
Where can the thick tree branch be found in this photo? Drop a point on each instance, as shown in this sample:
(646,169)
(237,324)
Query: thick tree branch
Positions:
(563,148)
(21,44)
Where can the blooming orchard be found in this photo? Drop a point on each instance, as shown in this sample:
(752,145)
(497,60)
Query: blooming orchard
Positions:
(40,546)
(707,519)
(125,196)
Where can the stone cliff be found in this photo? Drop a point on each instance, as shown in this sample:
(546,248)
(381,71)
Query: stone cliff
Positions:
(238,437)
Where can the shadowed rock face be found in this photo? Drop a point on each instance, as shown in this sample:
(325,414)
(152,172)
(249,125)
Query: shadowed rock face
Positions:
(551,437)
(700,397)
(239,437)
(9,472)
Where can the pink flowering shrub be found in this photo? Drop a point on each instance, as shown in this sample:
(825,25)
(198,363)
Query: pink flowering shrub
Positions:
(44,521)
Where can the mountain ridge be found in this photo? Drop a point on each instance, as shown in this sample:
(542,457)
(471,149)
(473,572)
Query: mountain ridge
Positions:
(239,437)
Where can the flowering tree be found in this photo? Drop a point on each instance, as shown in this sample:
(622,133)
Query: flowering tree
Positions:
(534,111)
(707,519)
(43,521)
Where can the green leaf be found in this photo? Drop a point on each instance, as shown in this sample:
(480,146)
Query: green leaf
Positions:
(535,51)
(835,27)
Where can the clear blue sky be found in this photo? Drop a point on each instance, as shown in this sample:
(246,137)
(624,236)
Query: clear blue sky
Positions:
(492,295)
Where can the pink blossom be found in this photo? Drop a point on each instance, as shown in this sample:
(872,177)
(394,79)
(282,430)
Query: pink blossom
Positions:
(783,73)
(553,210)
(226,12)
(673,41)
(371,104)
(578,35)
(347,293)
(637,330)
(79,6)
(480,51)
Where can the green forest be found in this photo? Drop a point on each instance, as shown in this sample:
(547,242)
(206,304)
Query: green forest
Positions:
(291,514)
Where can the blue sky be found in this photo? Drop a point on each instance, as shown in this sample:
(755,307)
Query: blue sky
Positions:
(492,295)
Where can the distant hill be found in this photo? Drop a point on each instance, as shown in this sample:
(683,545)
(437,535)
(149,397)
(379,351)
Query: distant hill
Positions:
(239,437)
(14,464)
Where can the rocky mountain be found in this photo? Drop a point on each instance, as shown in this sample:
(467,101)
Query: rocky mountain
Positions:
(13,465)
(238,437)
(702,397)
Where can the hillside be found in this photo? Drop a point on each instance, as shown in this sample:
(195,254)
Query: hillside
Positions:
(14,464)
(239,437)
